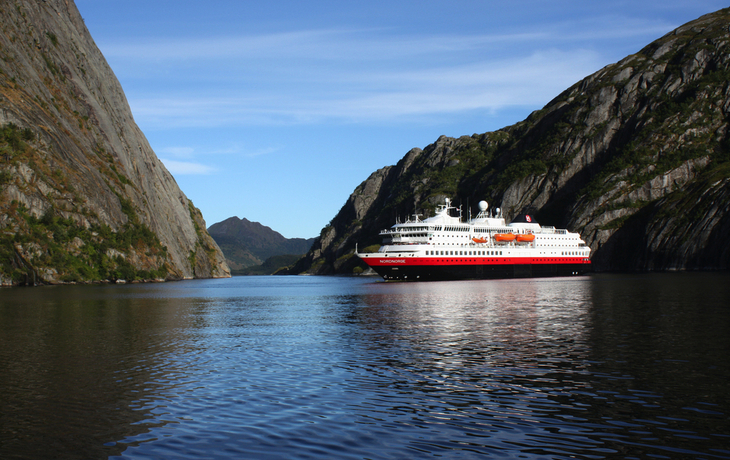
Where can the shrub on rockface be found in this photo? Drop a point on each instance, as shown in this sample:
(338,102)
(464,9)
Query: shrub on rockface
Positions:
(78,253)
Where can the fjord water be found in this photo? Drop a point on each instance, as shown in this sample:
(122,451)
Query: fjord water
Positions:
(604,366)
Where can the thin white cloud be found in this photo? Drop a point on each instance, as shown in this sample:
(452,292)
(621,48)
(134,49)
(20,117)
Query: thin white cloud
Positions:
(309,44)
(371,44)
(179,152)
(186,167)
(381,95)
(362,75)
(260,152)
(608,27)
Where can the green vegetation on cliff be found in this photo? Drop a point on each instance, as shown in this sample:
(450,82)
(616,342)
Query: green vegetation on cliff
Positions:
(72,250)
(76,253)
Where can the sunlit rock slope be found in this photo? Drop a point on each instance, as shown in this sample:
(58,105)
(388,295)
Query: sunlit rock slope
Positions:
(82,195)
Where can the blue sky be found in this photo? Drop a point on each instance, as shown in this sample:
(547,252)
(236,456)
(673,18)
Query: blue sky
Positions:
(275,111)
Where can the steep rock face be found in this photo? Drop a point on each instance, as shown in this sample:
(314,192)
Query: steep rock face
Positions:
(74,162)
(636,157)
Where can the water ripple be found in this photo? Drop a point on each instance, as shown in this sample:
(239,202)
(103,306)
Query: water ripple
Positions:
(302,367)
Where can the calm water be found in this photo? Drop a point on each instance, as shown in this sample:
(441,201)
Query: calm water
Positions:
(608,366)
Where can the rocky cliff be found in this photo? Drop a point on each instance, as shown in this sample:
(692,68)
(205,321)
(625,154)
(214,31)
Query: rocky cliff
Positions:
(635,157)
(82,195)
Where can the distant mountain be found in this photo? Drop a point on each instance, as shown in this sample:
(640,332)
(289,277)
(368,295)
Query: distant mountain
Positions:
(246,244)
(635,157)
(274,265)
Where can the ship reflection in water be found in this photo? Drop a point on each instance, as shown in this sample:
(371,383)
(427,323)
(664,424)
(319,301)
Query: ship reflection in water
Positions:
(311,367)
(486,359)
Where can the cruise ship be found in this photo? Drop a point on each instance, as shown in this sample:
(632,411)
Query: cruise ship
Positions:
(445,247)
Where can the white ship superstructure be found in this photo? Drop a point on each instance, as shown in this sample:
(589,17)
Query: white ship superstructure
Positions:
(445,247)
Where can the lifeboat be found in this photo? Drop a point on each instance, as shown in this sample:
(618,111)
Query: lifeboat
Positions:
(479,240)
(504,237)
(526,238)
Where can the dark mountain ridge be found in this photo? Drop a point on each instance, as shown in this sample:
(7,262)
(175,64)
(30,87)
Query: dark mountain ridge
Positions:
(635,157)
(246,244)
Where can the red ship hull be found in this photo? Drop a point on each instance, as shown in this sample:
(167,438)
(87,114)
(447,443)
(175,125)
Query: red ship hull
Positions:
(452,268)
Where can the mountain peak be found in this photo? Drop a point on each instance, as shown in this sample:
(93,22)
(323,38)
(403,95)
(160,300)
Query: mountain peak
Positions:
(247,243)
